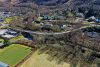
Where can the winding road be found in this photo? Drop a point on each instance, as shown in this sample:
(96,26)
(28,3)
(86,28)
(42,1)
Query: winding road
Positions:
(46,33)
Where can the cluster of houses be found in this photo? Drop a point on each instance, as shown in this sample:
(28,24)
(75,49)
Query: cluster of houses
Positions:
(90,19)
(53,17)
(6,34)
(49,27)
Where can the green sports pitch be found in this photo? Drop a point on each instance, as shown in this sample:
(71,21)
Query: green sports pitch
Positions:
(13,54)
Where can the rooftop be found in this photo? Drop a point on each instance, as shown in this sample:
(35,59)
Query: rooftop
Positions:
(3,64)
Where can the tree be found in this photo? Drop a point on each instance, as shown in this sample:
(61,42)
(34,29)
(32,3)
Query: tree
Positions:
(55,28)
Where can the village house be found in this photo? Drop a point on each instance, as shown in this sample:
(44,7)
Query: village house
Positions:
(8,33)
(11,32)
(91,19)
(5,14)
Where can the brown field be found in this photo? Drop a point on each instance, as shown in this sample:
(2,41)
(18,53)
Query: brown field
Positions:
(41,60)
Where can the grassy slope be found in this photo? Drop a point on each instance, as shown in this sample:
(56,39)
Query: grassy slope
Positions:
(10,19)
(14,54)
(41,61)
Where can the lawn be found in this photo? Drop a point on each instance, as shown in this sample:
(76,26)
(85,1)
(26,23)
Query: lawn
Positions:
(10,19)
(16,38)
(41,60)
(14,53)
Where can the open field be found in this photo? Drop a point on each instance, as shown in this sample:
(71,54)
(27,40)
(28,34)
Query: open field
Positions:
(41,60)
(13,54)
(9,19)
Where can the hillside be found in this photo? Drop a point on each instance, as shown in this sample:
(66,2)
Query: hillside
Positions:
(88,7)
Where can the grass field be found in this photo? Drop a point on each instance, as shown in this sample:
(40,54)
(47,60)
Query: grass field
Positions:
(41,60)
(13,54)
(10,19)
(16,38)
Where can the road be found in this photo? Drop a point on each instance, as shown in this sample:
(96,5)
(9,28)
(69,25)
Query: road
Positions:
(46,33)
(55,33)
